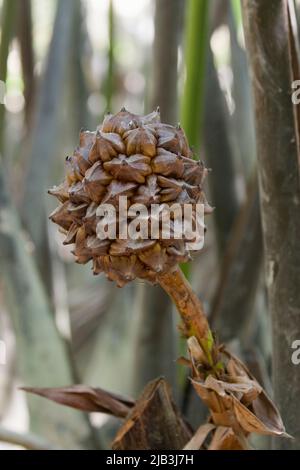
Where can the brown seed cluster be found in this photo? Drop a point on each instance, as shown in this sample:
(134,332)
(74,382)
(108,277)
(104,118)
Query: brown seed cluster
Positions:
(133,156)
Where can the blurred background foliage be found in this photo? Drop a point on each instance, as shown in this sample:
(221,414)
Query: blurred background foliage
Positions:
(65,64)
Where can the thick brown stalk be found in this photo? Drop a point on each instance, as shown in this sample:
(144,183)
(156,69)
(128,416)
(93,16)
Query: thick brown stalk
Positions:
(187,303)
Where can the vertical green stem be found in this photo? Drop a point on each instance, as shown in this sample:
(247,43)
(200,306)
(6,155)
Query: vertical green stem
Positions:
(195,54)
(237,12)
(192,106)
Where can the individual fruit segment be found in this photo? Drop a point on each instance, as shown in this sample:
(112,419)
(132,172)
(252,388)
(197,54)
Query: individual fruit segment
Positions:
(140,140)
(106,146)
(95,182)
(134,168)
(168,164)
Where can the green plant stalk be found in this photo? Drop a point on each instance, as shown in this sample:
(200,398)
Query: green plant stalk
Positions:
(237,12)
(192,105)
(7,25)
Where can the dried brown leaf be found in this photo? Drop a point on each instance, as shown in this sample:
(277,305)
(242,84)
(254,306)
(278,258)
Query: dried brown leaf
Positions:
(225,438)
(86,398)
(154,423)
(237,400)
(199,437)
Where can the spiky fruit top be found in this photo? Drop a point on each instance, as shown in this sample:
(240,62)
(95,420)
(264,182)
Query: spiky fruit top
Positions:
(133,156)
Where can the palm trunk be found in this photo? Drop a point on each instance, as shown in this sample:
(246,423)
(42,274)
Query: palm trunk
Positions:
(268,46)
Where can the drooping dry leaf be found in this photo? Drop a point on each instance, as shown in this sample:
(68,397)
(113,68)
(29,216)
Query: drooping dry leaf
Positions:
(235,400)
(270,422)
(87,399)
(225,438)
(262,406)
(199,437)
(242,386)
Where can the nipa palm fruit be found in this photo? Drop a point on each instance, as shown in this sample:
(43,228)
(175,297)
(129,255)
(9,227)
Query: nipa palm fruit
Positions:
(144,160)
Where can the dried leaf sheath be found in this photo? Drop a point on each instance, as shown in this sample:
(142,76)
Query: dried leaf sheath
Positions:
(86,399)
(238,404)
(154,423)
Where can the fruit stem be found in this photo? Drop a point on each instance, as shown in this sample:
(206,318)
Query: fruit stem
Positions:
(190,308)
